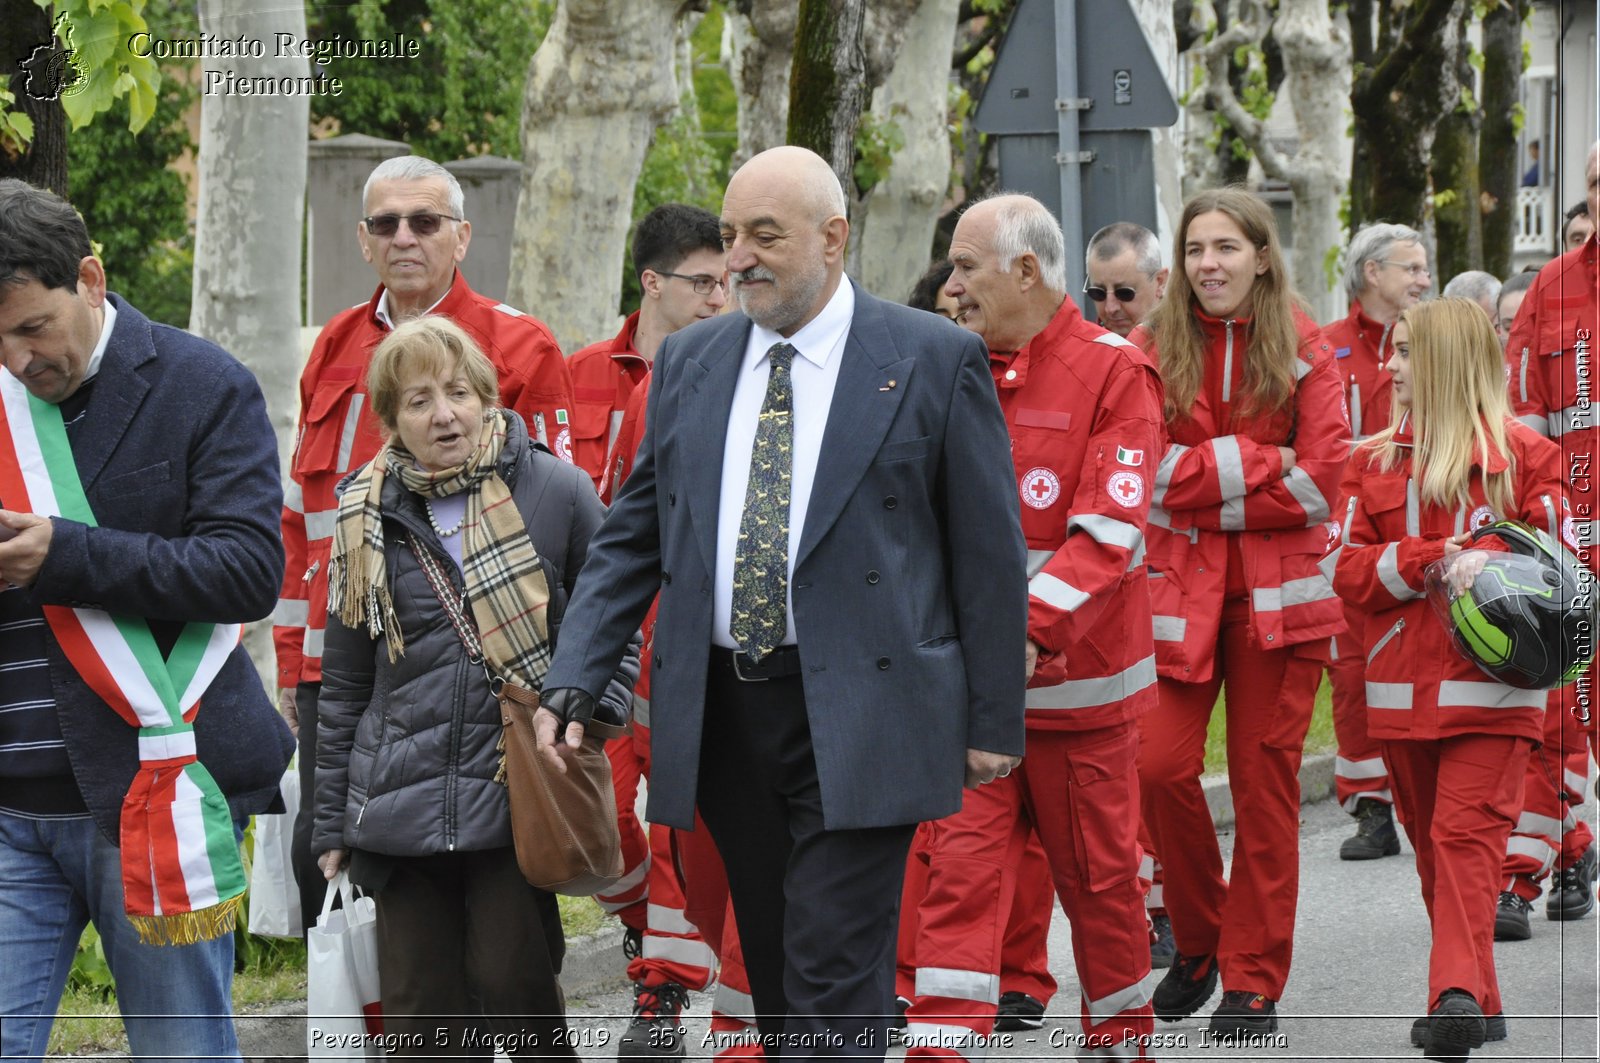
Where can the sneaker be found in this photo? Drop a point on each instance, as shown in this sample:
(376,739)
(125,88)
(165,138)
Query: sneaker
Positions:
(1018,1011)
(1188,984)
(1455,1027)
(1243,1012)
(656,1031)
(1494,1026)
(1572,888)
(1375,835)
(1511,917)
(632,943)
(1163,949)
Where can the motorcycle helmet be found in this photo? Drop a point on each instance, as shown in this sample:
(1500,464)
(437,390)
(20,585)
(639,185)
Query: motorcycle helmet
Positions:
(1528,618)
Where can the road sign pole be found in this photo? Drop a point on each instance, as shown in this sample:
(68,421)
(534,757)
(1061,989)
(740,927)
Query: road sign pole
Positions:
(1068,153)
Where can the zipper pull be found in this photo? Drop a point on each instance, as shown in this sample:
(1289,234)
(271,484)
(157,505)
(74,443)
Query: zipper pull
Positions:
(316,566)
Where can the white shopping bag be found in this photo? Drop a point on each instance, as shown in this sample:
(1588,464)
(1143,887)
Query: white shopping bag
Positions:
(344,1019)
(274,897)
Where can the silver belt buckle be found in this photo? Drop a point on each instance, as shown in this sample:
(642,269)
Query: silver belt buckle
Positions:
(741,676)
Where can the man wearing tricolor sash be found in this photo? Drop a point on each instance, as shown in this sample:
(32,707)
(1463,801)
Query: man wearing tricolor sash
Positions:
(139,501)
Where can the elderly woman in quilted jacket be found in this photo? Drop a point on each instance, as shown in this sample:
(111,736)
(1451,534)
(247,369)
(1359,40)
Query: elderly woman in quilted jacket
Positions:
(459,513)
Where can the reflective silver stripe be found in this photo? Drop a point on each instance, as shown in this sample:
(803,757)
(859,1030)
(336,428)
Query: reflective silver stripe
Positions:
(956,984)
(311,645)
(509,310)
(943,1035)
(1355,410)
(347,440)
(1037,560)
(1389,574)
(616,426)
(1107,530)
(1103,690)
(1126,999)
(1575,782)
(1111,339)
(1155,898)
(624,885)
(1294,592)
(1413,516)
(1536,421)
(1169,462)
(687,951)
(1169,628)
(1388,695)
(320,524)
(1349,519)
(1136,559)
(1522,374)
(1552,521)
(1466,693)
(1576,418)
(1535,849)
(1329,563)
(1056,592)
(1461,520)
(1230,466)
(291,612)
(668,920)
(1308,494)
(1147,867)
(641,711)
(294,499)
(1231,517)
(733,1004)
(1569,822)
(1302,368)
(1162,519)
(1371,768)
(1533,823)
(1227,364)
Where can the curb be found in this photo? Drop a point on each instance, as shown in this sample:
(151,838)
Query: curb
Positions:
(1316,784)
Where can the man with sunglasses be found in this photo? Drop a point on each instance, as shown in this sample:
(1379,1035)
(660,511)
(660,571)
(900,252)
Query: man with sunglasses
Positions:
(677,252)
(1123,275)
(414,234)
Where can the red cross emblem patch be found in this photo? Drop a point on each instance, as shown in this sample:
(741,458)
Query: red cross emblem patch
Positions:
(1040,488)
(1125,488)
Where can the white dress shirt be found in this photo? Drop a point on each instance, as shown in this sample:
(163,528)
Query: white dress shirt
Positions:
(819,346)
(98,354)
(381,311)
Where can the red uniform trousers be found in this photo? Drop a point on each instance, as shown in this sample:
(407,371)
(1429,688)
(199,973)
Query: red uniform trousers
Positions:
(1151,876)
(1457,799)
(1248,919)
(1358,768)
(1547,834)
(1024,951)
(1078,791)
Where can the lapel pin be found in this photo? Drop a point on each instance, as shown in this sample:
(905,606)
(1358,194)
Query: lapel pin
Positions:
(889,386)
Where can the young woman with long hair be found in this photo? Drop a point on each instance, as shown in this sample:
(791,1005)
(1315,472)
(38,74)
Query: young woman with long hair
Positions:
(1456,741)
(1257,438)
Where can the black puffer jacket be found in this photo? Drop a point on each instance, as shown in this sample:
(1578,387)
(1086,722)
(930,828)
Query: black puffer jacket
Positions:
(406,752)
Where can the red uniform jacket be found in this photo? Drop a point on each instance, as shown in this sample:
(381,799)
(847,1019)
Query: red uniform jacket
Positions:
(1418,685)
(630,434)
(1221,483)
(1361,349)
(1554,384)
(337,432)
(1084,410)
(604,374)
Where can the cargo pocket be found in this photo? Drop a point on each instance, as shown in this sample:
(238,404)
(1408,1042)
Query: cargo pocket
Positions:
(1105,811)
(328,440)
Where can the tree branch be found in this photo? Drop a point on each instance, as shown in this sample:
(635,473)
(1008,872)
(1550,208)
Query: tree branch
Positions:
(1422,31)
(1249,28)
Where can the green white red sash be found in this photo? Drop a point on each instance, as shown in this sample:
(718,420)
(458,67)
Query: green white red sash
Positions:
(181,872)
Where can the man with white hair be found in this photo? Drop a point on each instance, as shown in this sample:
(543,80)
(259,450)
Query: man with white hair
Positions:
(1084,409)
(1386,271)
(1123,275)
(1550,357)
(1476,285)
(415,233)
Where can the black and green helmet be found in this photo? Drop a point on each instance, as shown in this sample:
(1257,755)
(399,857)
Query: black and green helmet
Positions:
(1529,618)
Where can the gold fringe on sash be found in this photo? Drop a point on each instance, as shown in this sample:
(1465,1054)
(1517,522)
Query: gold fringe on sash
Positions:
(188,928)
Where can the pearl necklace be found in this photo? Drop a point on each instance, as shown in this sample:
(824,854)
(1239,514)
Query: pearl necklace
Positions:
(443,534)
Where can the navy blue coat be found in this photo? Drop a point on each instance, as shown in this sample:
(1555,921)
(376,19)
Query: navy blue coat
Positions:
(180,464)
(910,588)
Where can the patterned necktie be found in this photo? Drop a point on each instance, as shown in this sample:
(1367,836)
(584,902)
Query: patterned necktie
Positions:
(761,558)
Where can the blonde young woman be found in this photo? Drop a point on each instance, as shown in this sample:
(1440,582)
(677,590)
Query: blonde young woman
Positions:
(1257,438)
(1455,741)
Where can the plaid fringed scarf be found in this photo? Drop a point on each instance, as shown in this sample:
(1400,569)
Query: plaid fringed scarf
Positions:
(504,578)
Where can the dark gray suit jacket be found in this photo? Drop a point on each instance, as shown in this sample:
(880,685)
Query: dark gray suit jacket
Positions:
(909,592)
(180,464)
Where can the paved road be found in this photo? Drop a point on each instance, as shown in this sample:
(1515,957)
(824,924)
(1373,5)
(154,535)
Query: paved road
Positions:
(1359,977)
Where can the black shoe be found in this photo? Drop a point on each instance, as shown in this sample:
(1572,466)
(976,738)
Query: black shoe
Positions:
(1375,835)
(632,943)
(1186,987)
(1455,1027)
(900,1006)
(1494,1025)
(1018,1011)
(1511,917)
(655,1032)
(1163,949)
(1572,888)
(1243,1012)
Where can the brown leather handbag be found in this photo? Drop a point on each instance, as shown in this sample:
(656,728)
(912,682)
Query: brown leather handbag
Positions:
(564,824)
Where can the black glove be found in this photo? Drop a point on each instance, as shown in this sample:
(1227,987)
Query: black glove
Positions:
(569,705)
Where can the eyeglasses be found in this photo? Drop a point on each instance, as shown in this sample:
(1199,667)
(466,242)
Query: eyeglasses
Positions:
(702,284)
(423,223)
(1415,271)
(1098,294)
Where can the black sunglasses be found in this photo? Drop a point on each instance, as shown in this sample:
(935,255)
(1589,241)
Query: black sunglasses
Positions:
(1098,294)
(423,223)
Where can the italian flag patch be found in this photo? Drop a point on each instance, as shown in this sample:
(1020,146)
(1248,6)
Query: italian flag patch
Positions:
(1129,457)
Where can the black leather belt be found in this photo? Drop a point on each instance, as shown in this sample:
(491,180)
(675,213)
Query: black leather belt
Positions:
(782,661)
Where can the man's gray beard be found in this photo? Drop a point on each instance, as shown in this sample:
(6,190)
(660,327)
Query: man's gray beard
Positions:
(791,307)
